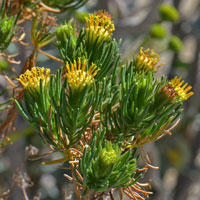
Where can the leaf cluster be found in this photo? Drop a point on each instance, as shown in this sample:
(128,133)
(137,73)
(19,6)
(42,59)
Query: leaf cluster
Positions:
(65,4)
(7,26)
(99,177)
(139,109)
(104,55)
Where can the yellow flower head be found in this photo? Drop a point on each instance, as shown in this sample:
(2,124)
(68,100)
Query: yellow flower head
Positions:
(182,91)
(147,60)
(99,25)
(31,78)
(77,76)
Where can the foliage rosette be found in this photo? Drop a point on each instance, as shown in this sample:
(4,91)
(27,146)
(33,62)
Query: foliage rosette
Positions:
(104,166)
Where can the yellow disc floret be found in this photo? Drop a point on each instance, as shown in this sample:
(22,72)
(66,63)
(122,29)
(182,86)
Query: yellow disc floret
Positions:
(181,90)
(31,78)
(147,60)
(99,25)
(77,76)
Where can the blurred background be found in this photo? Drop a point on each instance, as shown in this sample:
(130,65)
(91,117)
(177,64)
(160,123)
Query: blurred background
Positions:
(178,156)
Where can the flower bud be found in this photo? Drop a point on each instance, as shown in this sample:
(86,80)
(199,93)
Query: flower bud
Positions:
(158,31)
(6,32)
(3,65)
(108,156)
(175,44)
(168,13)
(66,32)
(81,15)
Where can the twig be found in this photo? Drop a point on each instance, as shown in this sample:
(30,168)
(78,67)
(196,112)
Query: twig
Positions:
(168,131)
(47,8)
(9,81)
(24,193)
(68,177)
(143,159)
(51,57)
(121,194)
(42,156)
(139,190)
(111,195)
